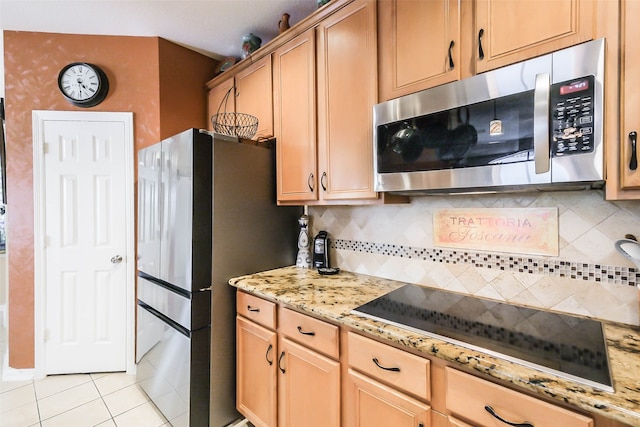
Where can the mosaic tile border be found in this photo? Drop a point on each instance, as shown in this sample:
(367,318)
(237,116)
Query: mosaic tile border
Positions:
(572,270)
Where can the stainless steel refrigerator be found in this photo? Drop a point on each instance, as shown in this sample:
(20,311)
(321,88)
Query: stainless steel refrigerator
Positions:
(206,213)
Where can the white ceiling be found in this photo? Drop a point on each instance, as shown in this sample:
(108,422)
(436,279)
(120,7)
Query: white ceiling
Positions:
(212,27)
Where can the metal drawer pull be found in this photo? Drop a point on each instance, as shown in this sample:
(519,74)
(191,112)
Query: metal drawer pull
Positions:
(323,178)
(305,333)
(254,309)
(266,355)
(633,137)
(280,361)
(375,360)
(490,410)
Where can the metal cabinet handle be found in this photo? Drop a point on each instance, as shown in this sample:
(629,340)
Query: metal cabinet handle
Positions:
(279,362)
(306,333)
(254,309)
(323,178)
(266,355)
(490,410)
(375,360)
(310,182)
(480,50)
(633,137)
(116,259)
(451,64)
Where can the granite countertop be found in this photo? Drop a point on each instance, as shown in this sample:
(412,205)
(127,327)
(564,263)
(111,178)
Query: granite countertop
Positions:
(333,298)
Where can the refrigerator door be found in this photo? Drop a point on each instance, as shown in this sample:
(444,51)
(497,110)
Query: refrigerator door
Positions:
(185,253)
(149,183)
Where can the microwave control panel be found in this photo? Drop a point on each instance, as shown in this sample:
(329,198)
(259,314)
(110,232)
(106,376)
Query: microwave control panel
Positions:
(572,113)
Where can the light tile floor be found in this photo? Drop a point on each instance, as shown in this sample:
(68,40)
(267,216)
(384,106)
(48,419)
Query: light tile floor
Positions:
(101,399)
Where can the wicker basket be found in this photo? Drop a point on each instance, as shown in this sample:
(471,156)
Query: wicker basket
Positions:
(235,124)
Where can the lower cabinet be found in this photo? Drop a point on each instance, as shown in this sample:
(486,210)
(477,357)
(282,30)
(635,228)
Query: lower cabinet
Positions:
(289,374)
(256,353)
(389,386)
(485,404)
(309,386)
(256,374)
(379,405)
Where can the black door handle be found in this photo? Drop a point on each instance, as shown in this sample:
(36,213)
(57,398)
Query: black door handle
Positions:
(451,64)
(280,362)
(490,410)
(266,355)
(480,50)
(633,136)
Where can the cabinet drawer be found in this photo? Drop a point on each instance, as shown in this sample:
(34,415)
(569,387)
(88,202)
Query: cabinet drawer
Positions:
(403,370)
(467,397)
(260,311)
(316,334)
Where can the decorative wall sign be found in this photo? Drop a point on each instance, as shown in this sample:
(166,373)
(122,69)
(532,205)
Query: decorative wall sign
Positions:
(515,230)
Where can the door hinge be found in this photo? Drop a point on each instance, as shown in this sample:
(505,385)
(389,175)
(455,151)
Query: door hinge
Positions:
(45,148)
(46,335)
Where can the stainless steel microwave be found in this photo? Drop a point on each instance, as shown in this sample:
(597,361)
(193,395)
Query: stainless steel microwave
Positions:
(532,125)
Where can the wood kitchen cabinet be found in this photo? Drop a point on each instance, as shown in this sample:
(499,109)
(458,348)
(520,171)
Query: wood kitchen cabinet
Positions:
(418,45)
(216,99)
(325,85)
(471,398)
(294,92)
(508,31)
(390,403)
(250,91)
(309,372)
(256,353)
(629,94)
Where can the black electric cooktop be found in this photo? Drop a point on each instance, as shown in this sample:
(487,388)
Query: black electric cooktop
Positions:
(568,346)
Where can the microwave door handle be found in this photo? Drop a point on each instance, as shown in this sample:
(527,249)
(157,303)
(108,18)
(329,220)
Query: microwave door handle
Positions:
(541,153)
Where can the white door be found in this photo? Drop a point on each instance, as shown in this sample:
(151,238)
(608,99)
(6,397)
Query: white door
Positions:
(85,254)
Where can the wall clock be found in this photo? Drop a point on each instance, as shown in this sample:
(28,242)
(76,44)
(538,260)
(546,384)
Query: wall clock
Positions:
(82,84)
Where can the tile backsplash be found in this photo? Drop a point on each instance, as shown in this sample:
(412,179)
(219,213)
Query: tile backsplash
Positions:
(589,277)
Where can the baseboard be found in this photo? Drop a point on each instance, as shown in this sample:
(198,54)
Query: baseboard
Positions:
(13,374)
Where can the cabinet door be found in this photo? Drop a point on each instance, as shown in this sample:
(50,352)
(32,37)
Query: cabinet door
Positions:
(457,423)
(347,91)
(418,42)
(294,72)
(630,95)
(256,388)
(509,31)
(218,101)
(474,399)
(309,388)
(254,95)
(379,405)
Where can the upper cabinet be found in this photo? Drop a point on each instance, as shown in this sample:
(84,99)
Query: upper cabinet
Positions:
(630,96)
(325,85)
(250,92)
(509,31)
(294,76)
(347,91)
(254,95)
(419,45)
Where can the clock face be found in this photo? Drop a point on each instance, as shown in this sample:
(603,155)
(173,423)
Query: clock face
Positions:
(83,84)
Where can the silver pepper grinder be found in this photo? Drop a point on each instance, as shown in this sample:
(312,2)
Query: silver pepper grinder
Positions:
(303,259)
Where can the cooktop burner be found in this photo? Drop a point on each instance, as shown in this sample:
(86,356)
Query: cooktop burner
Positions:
(568,346)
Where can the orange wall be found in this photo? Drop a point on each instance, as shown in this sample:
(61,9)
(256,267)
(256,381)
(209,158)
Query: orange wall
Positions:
(161,83)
